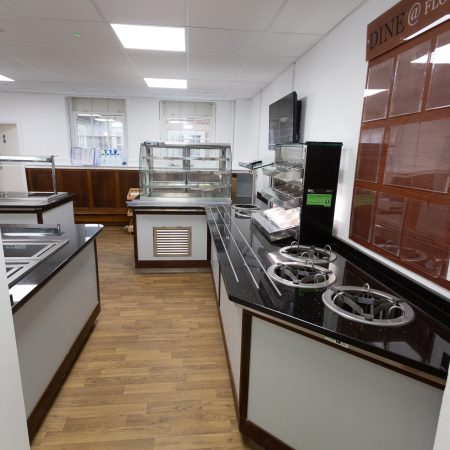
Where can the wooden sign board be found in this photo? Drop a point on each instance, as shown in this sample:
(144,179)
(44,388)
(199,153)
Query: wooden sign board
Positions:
(402,21)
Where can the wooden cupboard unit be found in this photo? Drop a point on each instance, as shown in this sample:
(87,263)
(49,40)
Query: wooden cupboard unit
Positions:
(100,193)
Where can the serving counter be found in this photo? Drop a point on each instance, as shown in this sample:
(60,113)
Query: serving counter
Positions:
(54,305)
(36,207)
(298,368)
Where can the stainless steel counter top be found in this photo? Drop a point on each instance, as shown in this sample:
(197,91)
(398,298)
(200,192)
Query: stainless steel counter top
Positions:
(159,202)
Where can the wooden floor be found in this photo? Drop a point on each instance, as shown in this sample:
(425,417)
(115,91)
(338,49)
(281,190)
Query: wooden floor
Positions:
(153,374)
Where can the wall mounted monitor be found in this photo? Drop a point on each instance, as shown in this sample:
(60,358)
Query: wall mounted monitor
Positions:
(284,121)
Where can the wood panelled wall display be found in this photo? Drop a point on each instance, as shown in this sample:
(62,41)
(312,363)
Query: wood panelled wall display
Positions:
(101,193)
(401,199)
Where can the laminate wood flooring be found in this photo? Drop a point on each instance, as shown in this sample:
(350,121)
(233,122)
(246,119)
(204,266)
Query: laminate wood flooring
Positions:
(153,373)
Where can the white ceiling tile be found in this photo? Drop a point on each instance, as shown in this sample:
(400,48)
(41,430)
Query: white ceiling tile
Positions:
(222,41)
(247,85)
(268,63)
(232,14)
(96,54)
(62,67)
(155,72)
(161,60)
(110,69)
(316,17)
(225,61)
(208,84)
(233,94)
(28,52)
(61,32)
(118,80)
(55,88)
(286,44)
(55,9)
(259,76)
(144,12)
(212,73)
(46,77)
(9,64)
(5,11)
(17,30)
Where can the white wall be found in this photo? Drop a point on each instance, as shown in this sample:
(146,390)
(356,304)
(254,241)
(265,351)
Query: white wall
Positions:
(142,125)
(13,425)
(43,123)
(245,129)
(12,177)
(330,80)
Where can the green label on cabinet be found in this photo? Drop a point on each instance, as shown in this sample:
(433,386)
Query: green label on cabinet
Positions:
(319,200)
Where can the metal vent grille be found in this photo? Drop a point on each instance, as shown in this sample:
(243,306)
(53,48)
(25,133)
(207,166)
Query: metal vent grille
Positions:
(172,241)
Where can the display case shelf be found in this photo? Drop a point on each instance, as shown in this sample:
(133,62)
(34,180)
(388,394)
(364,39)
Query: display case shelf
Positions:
(211,176)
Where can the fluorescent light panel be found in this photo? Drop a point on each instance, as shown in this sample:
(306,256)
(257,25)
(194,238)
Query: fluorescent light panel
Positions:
(166,83)
(3,78)
(143,37)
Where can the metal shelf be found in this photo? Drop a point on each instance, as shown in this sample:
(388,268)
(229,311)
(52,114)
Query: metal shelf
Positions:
(34,160)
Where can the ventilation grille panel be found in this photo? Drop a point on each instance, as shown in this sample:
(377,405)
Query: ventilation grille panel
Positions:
(172,241)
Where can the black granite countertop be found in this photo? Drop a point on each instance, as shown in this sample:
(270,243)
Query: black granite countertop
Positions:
(423,344)
(76,238)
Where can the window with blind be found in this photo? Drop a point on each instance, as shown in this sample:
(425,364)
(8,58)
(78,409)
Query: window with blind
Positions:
(188,121)
(98,131)
(401,201)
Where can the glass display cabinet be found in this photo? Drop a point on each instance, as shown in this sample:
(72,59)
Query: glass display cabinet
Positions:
(184,170)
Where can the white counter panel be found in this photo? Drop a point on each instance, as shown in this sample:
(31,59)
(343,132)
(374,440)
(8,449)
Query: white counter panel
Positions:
(231,314)
(61,214)
(313,396)
(18,218)
(144,229)
(215,266)
(49,323)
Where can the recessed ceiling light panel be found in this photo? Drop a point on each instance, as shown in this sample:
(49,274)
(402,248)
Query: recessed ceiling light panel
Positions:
(3,78)
(143,37)
(166,83)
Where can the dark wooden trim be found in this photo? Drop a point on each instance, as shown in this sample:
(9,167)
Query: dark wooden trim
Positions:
(135,233)
(47,398)
(90,189)
(172,264)
(373,359)
(40,218)
(208,244)
(96,270)
(262,437)
(246,342)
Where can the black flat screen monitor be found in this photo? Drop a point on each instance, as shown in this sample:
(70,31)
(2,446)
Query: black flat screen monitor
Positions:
(284,121)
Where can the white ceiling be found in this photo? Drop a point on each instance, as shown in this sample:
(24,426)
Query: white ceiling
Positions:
(234,47)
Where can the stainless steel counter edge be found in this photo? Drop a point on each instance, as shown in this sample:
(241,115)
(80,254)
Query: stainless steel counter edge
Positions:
(161,202)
